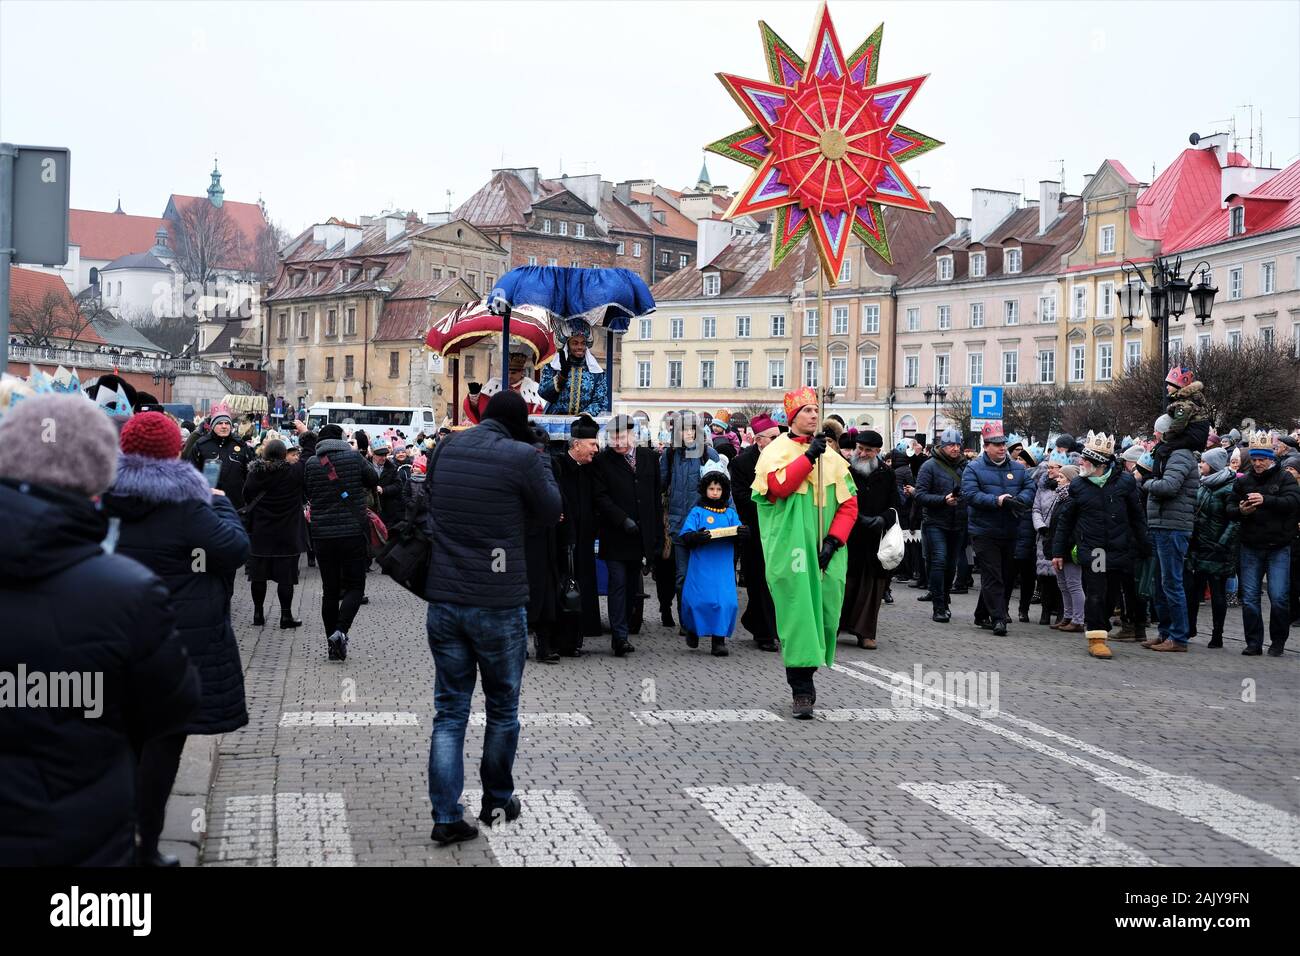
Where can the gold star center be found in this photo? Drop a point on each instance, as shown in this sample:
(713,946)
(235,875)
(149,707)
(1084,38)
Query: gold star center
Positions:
(833,144)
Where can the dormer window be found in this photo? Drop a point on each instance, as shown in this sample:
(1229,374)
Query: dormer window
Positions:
(1237,221)
(1012,261)
(977,260)
(546,226)
(712,283)
(581,230)
(945,268)
(564,227)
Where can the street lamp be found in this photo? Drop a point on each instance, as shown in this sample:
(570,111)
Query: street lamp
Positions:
(936,395)
(1168,293)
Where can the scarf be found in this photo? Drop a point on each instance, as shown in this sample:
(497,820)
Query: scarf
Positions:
(1100,480)
(1217,479)
(949,465)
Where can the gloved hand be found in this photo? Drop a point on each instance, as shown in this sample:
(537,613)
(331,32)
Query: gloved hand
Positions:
(630,526)
(693,539)
(829,546)
(742,531)
(871,522)
(1017,507)
(816,448)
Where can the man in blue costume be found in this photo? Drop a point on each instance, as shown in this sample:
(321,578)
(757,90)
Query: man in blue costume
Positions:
(573,383)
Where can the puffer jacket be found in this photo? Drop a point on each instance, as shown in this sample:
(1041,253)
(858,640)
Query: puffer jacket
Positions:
(1105,523)
(934,482)
(482,489)
(1171,491)
(1214,542)
(338,503)
(679,473)
(1273,524)
(67,780)
(981,485)
(170,521)
(1048,500)
(234,455)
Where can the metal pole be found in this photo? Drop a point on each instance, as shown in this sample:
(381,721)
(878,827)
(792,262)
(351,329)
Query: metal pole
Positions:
(7,153)
(609,368)
(820,491)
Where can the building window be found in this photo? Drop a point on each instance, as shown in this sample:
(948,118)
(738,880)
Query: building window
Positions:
(871,319)
(302,325)
(302,370)
(712,283)
(778,326)
(846,270)
(636,250)
(1106,299)
(331,324)
(943,370)
(945,267)
(742,326)
(683,261)
(620,249)
(349,369)
(977,261)
(329,368)
(663,258)
(1234,338)
(643,374)
(811,372)
(1234,283)
(839,371)
(1238,221)
(1203,340)
(435,273)
(1076,363)
(810,322)
(393,364)
(489,281)
(975,368)
(1010,367)
(552,262)
(911,371)
(1011,312)
(677,327)
(469,368)
(1078,302)
(279,368)
(1046,366)
(1266,335)
(284,326)
(1175,349)
(868,371)
(532,260)
(674,373)
(350,322)
(1295,336)
(644,328)
(945,317)
(472,278)
(709,327)
(1105,361)
(573,264)
(840,320)
(580,230)
(913,320)
(740,373)
(1047,306)
(451,273)
(1267,278)
(1106,242)
(1012,259)
(564,227)
(1132,355)
(977,315)
(546,226)
(776,373)
(706,373)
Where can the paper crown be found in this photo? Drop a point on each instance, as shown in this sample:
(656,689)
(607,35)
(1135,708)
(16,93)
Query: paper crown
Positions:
(1099,447)
(115,401)
(1180,376)
(219,410)
(1261,442)
(992,431)
(799,398)
(1014,439)
(712,468)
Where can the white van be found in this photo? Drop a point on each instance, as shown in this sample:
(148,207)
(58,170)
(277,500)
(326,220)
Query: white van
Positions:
(409,421)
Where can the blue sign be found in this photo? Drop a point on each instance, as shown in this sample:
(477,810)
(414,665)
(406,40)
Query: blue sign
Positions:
(986,401)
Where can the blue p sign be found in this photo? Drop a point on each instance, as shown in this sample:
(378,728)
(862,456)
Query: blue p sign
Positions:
(986,401)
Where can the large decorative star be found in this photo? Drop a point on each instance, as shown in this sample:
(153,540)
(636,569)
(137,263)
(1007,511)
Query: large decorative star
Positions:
(826,145)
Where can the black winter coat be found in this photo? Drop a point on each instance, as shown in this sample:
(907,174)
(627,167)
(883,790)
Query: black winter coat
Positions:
(338,503)
(235,456)
(275,493)
(877,493)
(1106,521)
(67,781)
(481,490)
(173,525)
(1272,524)
(390,497)
(743,469)
(622,493)
(577,530)
(934,483)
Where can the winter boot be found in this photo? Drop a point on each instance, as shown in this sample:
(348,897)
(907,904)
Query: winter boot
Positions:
(287,622)
(258,617)
(719,647)
(1216,640)
(1097,645)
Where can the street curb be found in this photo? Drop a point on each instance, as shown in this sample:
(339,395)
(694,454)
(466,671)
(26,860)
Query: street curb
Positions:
(198,770)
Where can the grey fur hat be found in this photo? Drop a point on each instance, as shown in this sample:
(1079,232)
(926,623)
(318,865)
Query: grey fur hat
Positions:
(60,441)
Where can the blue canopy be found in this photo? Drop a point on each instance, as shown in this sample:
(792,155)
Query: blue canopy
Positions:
(609,298)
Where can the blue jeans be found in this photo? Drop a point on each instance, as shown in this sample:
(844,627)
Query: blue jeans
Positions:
(1255,563)
(1167,589)
(941,547)
(466,641)
(624,587)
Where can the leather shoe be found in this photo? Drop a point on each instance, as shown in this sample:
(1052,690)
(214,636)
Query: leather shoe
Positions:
(927,596)
(445,834)
(1275,650)
(509,813)
(1252,651)
(1168,645)
(1000,627)
(941,616)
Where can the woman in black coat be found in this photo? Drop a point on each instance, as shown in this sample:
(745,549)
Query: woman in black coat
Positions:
(277,533)
(190,536)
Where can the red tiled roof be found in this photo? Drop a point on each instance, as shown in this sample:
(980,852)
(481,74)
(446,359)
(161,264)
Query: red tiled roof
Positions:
(1123,171)
(423,288)
(247,216)
(404,319)
(110,235)
(29,288)
(1179,198)
(674,224)
(1272,206)
(623,219)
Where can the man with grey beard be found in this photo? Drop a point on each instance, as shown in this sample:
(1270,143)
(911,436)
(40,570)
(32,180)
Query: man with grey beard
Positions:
(878,507)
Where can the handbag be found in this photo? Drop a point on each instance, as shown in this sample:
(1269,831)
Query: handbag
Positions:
(405,558)
(1146,577)
(892,546)
(570,596)
(376,531)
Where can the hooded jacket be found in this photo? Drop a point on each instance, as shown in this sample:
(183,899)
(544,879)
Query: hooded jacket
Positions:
(67,781)
(173,525)
(679,473)
(337,490)
(1171,491)
(1214,542)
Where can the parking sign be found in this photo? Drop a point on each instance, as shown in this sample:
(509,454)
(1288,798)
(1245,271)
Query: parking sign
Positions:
(986,402)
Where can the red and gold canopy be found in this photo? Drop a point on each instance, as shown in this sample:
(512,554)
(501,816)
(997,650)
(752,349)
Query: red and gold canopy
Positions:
(470,324)
(826,145)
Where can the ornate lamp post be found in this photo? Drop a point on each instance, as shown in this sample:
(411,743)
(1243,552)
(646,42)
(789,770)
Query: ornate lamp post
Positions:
(935,396)
(1168,292)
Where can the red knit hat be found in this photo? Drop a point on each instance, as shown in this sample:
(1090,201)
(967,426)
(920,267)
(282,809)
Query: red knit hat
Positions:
(151,434)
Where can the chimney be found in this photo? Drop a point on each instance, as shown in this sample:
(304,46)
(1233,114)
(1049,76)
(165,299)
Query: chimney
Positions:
(394,226)
(1241,180)
(328,234)
(1219,143)
(924,191)
(988,208)
(351,237)
(437,218)
(697,206)
(1087,181)
(1049,203)
(623,193)
(712,236)
(527,176)
(961,226)
(586,188)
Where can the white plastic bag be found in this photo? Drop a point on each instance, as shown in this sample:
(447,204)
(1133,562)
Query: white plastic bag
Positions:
(890,554)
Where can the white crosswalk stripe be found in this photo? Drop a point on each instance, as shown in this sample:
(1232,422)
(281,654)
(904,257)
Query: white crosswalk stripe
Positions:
(655,718)
(783,827)
(348,718)
(873,713)
(555,829)
(479,719)
(291,829)
(1018,823)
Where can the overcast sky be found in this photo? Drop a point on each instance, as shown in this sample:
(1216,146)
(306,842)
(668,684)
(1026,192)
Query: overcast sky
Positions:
(345,109)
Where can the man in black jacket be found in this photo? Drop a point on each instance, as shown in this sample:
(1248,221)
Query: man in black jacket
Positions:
(938,490)
(760,613)
(337,479)
(576,534)
(232,454)
(625,481)
(1266,500)
(483,488)
(390,483)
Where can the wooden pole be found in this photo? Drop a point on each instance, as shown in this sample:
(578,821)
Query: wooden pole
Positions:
(822,392)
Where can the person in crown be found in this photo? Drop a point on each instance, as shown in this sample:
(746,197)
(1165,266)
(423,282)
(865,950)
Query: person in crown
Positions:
(573,383)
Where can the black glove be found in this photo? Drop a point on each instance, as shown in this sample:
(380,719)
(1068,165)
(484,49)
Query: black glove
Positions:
(816,448)
(829,546)
(693,539)
(630,526)
(742,531)
(1017,507)
(541,438)
(871,522)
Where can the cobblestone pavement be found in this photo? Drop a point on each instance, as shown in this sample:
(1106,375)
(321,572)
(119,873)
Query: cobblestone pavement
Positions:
(673,757)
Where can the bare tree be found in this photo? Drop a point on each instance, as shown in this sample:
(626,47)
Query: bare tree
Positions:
(752,410)
(1088,410)
(958,408)
(49,320)
(270,239)
(172,333)
(1033,411)
(207,240)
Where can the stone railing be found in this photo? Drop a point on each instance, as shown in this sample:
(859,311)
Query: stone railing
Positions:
(147,364)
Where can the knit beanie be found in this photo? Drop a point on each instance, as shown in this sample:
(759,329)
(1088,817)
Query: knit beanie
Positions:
(1216,458)
(60,441)
(1071,472)
(151,434)
(1164,423)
